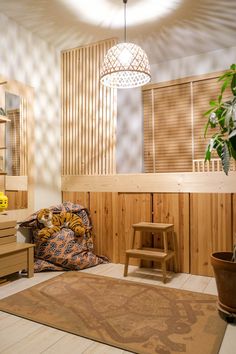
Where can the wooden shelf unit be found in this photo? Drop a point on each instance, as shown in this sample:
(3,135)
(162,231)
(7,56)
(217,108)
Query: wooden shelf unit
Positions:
(14,256)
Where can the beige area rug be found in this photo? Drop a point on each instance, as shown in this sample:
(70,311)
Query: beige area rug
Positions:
(137,317)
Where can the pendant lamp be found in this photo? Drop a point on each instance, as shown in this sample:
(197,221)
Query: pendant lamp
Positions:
(125,64)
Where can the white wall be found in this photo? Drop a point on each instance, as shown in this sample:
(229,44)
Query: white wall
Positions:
(30,60)
(130,119)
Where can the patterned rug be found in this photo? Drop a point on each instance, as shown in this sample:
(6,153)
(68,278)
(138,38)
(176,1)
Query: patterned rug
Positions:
(140,318)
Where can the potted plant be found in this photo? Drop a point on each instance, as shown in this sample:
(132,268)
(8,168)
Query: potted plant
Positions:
(222,122)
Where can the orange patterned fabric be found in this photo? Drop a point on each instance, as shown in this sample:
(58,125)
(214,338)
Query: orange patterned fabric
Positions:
(64,250)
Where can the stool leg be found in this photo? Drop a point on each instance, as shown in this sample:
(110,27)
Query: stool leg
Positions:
(30,262)
(175,252)
(133,238)
(126,265)
(165,241)
(163,267)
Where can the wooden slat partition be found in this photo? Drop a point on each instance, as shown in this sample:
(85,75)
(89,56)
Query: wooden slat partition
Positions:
(17,199)
(88,112)
(214,165)
(204,223)
(234,218)
(210,229)
(102,213)
(81,198)
(133,208)
(173,208)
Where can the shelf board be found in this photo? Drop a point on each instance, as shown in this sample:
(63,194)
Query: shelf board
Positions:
(4,119)
(2,173)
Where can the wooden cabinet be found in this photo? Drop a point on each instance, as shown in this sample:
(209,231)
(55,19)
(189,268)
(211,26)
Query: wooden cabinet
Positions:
(14,256)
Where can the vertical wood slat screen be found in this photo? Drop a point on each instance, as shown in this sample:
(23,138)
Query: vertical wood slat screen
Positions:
(88,113)
(177,113)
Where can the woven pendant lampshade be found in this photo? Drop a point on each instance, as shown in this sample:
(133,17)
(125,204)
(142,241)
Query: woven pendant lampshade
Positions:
(125,65)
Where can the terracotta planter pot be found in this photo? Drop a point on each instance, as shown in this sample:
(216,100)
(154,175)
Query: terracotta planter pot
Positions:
(225,275)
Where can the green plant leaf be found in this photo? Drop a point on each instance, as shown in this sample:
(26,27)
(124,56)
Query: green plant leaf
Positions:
(233,85)
(213,103)
(208,112)
(233,67)
(225,84)
(208,154)
(227,74)
(206,128)
(225,158)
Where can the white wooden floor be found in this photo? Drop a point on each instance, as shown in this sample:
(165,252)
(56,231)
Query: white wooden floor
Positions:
(22,336)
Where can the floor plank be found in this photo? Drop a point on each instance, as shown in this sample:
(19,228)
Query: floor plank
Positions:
(36,342)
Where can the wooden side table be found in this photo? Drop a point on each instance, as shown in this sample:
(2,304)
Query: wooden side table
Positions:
(14,256)
(154,254)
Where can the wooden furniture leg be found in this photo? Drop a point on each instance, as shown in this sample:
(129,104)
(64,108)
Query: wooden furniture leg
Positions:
(30,255)
(126,265)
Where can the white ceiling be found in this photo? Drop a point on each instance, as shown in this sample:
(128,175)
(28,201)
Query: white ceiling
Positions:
(183,28)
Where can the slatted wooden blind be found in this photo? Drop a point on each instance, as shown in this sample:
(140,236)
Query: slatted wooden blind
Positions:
(148,127)
(172,129)
(88,113)
(174,122)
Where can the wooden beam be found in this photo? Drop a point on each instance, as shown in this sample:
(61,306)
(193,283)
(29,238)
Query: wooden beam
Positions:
(189,182)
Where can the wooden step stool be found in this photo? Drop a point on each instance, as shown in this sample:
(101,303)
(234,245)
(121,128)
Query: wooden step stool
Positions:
(153,254)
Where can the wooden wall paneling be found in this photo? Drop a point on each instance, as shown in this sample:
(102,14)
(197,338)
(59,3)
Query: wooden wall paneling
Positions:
(102,214)
(234,218)
(132,208)
(81,198)
(210,229)
(173,208)
(17,199)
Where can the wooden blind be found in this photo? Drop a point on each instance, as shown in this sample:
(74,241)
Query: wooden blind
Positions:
(88,113)
(169,123)
(174,123)
(148,127)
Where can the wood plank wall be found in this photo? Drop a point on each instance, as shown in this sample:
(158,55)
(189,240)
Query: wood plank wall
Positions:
(210,228)
(203,222)
(17,199)
(173,208)
(89,112)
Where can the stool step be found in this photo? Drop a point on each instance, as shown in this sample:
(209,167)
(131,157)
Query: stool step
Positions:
(149,254)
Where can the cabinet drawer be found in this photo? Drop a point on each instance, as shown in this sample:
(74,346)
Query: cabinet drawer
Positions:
(7,232)
(7,239)
(7,224)
(13,262)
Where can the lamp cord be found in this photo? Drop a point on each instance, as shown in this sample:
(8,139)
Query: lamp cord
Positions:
(125,2)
